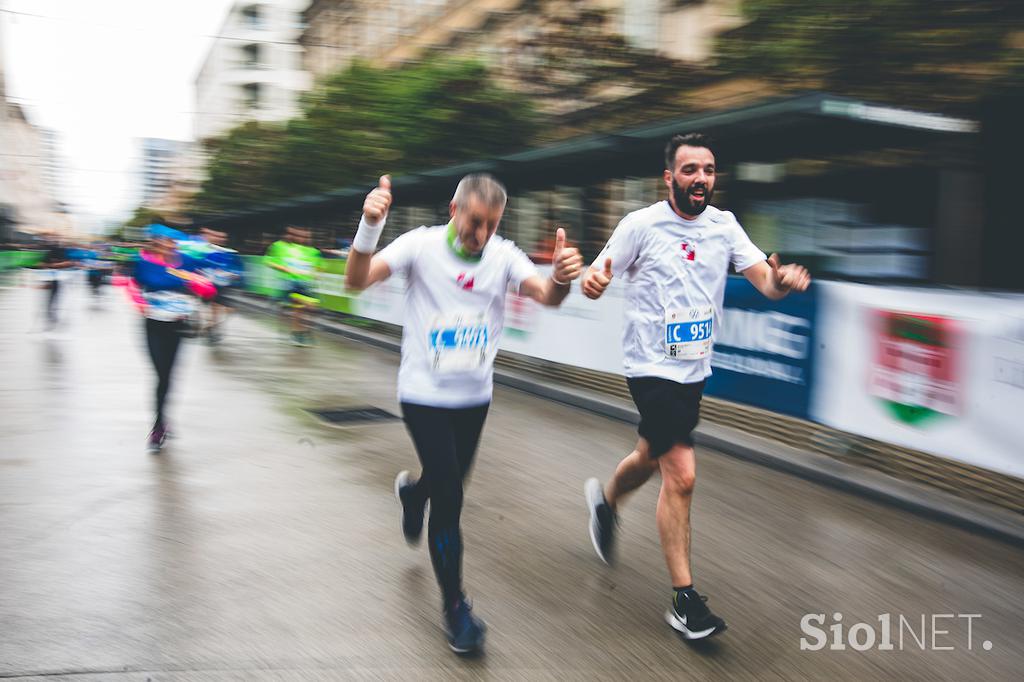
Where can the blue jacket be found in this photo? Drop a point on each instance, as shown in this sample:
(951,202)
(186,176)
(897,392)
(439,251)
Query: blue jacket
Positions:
(224,268)
(152,276)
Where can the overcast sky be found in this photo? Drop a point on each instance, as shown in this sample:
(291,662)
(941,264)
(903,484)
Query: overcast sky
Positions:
(104,73)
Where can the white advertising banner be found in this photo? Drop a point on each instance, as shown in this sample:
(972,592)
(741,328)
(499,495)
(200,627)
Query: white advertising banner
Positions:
(936,371)
(580,332)
(768,344)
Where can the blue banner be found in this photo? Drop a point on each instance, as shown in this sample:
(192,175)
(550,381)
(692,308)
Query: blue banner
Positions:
(764,350)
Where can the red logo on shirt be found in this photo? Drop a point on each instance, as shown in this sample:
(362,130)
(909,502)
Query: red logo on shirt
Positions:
(689,251)
(465,281)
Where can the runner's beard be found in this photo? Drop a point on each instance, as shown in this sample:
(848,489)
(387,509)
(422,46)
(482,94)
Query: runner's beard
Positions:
(685,202)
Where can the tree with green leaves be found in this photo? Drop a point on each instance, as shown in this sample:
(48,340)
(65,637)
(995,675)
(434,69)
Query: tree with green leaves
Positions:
(937,54)
(143,216)
(365,120)
(241,169)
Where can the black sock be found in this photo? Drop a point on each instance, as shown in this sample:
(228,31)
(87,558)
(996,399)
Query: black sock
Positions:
(680,594)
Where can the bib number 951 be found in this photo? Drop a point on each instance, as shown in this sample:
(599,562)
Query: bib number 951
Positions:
(688,333)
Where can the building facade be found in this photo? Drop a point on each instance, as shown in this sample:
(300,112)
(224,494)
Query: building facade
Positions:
(28,174)
(339,31)
(158,157)
(253,70)
(577,59)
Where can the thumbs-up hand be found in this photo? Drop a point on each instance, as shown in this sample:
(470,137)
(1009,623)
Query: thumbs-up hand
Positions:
(597,281)
(559,244)
(567,260)
(378,201)
(791,277)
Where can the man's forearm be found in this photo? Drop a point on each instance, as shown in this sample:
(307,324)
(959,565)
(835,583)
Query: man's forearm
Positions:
(774,292)
(357,269)
(555,293)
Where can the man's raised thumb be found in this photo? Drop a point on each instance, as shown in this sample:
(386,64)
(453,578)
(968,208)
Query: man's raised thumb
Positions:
(559,240)
(608,267)
(385,182)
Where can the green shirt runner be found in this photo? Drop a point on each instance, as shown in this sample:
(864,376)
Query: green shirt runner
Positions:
(301,262)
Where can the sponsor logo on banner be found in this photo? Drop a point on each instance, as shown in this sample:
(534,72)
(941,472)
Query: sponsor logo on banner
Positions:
(519,314)
(916,366)
(764,350)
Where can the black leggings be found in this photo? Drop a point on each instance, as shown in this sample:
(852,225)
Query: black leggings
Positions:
(163,339)
(446,441)
(51,301)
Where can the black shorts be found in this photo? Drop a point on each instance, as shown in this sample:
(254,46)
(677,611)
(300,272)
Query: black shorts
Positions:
(299,287)
(221,297)
(669,411)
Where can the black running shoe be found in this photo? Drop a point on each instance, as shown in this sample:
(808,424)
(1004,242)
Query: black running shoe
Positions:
(156,439)
(602,520)
(412,511)
(691,617)
(465,632)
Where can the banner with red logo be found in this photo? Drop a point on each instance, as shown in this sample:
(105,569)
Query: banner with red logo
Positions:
(937,371)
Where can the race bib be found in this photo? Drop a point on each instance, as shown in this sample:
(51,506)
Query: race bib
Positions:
(168,306)
(221,278)
(688,333)
(459,343)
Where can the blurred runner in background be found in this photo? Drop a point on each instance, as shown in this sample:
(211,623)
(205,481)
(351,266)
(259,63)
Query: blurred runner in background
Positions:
(52,268)
(164,286)
(296,261)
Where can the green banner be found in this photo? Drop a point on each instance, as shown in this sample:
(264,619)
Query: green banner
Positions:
(10,260)
(260,279)
(330,286)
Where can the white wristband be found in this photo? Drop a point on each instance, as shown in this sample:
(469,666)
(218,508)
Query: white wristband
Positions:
(367,236)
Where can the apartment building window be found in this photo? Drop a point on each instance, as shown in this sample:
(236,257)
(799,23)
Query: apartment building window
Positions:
(251,56)
(252,17)
(251,93)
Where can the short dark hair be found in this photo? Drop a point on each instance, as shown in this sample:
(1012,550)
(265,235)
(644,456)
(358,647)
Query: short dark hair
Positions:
(687,140)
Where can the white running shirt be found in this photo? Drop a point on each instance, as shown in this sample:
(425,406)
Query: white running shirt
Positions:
(454,315)
(675,273)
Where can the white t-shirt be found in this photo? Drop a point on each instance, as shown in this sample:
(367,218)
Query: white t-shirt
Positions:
(454,315)
(675,273)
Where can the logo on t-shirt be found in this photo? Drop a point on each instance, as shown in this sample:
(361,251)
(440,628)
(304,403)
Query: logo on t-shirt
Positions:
(689,251)
(465,280)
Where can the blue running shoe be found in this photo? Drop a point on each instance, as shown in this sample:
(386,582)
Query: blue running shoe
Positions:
(465,631)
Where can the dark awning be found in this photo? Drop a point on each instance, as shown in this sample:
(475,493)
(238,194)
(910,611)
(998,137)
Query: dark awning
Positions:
(807,125)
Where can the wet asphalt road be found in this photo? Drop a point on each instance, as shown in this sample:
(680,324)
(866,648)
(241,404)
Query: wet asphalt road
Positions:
(263,544)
